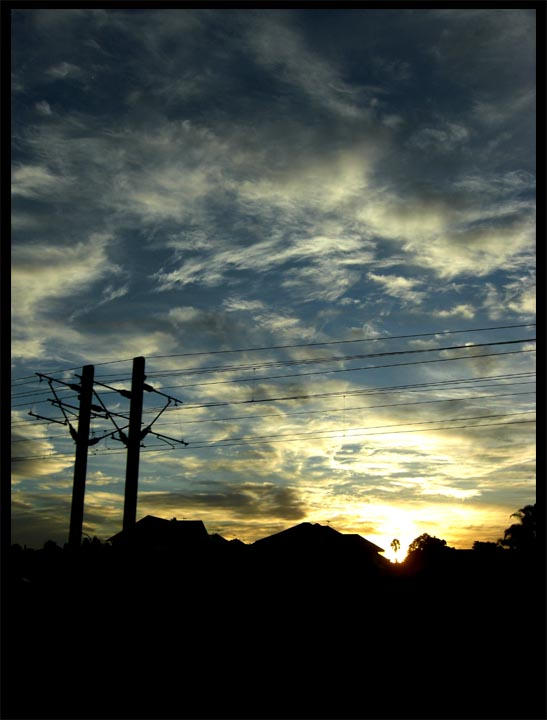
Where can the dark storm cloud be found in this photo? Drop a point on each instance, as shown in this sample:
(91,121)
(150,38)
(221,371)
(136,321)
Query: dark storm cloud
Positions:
(40,516)
(33,527)
(240,500)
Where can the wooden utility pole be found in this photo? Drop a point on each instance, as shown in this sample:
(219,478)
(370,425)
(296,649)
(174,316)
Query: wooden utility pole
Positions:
(80,465)
(133,444)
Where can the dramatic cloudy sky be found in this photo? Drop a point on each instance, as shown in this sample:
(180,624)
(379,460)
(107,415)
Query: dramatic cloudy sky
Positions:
(188,181)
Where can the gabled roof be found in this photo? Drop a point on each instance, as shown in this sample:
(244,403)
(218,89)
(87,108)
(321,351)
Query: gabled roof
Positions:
(218,539)
(313,535)
(151,529)
(360,541)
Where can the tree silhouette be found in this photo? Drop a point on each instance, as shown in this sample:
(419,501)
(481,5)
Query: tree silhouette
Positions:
(427,545)
(521,536)
(425,550)
(485,546)
(395,546)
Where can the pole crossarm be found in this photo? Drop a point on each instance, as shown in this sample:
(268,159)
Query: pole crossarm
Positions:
(41,417)
(110,415)
(149,426)
(72,386)
(145,386)
(61,404)
(95,411)
(121,391)
(166,437)
(149,388)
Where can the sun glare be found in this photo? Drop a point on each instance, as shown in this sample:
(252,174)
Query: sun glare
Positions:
(398,526)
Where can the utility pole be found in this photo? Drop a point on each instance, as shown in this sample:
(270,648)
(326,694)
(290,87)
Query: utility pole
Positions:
(133,444)
(80,465)
(132,440)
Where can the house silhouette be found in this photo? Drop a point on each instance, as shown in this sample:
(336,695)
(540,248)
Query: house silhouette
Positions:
(304,545)
(313,542)
(154,533)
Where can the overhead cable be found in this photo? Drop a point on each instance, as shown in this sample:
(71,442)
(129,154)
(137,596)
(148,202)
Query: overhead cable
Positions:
(347,392)
(327,411)
(284,440)
(280,347)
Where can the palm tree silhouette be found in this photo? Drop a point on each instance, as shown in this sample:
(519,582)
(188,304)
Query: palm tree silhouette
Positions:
(395,546)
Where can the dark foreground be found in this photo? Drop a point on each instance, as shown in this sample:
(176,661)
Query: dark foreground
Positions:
(111,635)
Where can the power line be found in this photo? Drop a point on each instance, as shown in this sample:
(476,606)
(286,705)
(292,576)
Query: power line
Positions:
(228,442)
(289,439)
(370,427)
(394,432)
(33,402)
(349,409)
(292,375)
(324,411)
(30,393)
(306,361)
(326,372)
(414,387)
(210,369)
(341,342)
(347,392)
(282,347)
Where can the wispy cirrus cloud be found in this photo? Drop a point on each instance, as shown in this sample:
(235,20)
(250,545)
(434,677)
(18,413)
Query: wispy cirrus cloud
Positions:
(63,70)
(280,49)
(37,181)
(43,275)
(444,138)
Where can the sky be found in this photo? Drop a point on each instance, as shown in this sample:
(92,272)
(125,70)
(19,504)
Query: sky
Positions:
(195,181)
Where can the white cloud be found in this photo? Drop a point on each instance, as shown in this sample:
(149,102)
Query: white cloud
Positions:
(182,315)
(328,273)
(237,304)
(41,273)
(284,326)
(279,47)
(518,296)
(98,478)
(31,440)
(464,310)
(492,114)
(392,121)
(454,239)
(496,184)
(399,287)
(322,280)
(43,107)
(444,138)
(111,293)
(34,181)
(63,70)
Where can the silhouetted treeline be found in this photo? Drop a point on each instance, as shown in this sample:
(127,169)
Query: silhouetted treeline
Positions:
(229,630)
